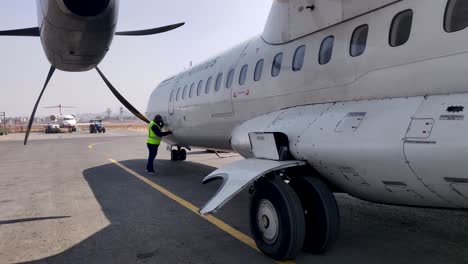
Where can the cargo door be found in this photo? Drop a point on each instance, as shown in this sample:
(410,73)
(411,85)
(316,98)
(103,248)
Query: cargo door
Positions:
(436,147)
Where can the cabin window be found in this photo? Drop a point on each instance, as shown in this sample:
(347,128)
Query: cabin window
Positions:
(359,41)
(208,85)
(401,28)
(230,79)
(199,87)
(218,82)
(326,50)
(456,15)
(259,70)
(243,74)
(178,94)
(276,67)
(192,88)
(170,97)
(298,61)
(184,94)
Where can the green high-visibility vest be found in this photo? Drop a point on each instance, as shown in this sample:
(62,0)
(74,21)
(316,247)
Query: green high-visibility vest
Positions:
(153,139)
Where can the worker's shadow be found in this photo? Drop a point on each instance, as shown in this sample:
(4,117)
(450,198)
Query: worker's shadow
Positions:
(146,226)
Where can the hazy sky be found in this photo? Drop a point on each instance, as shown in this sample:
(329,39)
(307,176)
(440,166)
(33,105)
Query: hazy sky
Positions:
(135,65)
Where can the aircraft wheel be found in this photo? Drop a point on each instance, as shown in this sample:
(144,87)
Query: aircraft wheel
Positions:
(277,219)
(182,154)
(174,155)
(321,213)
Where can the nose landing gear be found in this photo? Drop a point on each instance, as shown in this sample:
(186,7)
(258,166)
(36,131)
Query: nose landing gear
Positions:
(178,154)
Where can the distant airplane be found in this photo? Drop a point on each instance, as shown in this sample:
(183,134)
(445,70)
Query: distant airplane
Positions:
(76,35)
(363,97)
(63,121)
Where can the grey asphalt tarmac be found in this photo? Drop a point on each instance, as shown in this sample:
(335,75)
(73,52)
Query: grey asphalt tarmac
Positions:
(62,200)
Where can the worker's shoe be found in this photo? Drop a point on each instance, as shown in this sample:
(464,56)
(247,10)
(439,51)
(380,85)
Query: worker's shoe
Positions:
(151,172)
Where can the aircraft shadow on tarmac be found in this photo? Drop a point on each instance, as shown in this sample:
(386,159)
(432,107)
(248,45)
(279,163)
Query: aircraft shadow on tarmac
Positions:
(147,227)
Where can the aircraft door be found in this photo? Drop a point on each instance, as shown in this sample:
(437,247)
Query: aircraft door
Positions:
(171,102)
(222,103)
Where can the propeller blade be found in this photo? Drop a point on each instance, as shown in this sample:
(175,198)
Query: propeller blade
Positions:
(130,107)
(24,32)
(31,119)
(150,31)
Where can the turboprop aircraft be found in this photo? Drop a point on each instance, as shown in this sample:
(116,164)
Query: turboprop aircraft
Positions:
(76,35)
(362,97)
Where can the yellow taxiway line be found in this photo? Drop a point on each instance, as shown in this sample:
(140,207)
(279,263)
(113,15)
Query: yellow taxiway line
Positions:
(99,143)
(215,221)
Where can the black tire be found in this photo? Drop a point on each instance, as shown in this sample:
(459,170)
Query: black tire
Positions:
(290,226)
(182,154)
(174,155)
(103,130)
(321,213)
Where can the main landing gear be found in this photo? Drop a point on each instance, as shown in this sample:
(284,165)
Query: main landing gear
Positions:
(178,154)
(285,218)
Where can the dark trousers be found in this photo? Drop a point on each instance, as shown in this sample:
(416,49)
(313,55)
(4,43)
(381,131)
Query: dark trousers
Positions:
(153,151)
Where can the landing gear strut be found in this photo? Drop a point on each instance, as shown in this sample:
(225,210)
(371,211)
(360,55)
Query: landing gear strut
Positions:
(178,154)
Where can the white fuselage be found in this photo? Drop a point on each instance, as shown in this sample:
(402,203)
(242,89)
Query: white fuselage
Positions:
(63,121)
(76,35)
(67,121)
(378,126)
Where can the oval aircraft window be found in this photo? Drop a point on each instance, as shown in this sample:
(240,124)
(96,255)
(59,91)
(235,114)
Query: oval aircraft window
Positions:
(218,82)
(276,67)
(208,85)
(184,94)
(359,41)
(178,94)
(456,18)
(200,84)
(401,28)
(243,74)
(326,50)
(230,79)
(258,70)
(299,55)
(192,88)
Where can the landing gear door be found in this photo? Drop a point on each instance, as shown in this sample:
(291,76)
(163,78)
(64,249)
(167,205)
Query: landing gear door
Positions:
(171,102)
(436,147)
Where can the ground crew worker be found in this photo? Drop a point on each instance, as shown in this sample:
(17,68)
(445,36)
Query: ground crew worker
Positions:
(154,139)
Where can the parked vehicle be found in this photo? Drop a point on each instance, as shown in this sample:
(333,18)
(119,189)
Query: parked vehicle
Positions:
(52,128)
(96,126)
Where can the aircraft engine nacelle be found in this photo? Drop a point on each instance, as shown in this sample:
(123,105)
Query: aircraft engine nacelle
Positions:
(77,34)
(405,151)
(53,117)
(86,8)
